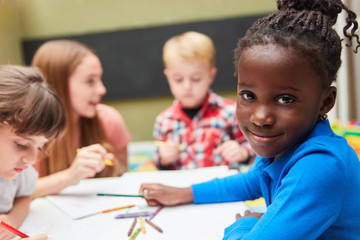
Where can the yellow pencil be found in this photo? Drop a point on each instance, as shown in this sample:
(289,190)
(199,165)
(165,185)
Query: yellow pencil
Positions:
(160,143)
(142,224)
(108,162)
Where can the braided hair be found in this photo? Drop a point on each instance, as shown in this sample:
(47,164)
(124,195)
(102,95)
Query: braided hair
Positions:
(307,27)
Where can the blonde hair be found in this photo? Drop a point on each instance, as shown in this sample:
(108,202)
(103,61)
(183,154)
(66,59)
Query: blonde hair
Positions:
(28,104)
(189,46)
(58,59)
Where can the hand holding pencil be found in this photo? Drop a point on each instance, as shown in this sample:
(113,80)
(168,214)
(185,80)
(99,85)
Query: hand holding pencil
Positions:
(88,161)
(7,232)
(159,194)
(169,151)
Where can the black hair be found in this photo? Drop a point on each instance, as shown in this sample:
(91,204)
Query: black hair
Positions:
(307,27)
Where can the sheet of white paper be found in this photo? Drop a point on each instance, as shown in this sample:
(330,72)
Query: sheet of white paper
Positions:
(82,201)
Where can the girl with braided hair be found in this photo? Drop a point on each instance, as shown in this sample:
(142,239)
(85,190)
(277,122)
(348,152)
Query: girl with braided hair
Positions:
(308,176)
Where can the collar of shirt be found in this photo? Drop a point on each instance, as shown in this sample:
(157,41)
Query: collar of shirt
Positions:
(211,100)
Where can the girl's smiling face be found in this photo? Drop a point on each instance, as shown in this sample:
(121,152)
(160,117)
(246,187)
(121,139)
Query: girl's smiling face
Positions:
(17,152)
(86,87)
(280,98)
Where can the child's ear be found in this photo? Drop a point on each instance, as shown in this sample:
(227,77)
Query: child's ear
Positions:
(165,72)
(328,100)
(213,72)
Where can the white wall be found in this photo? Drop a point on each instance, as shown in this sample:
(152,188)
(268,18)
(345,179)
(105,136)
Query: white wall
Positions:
(348,83)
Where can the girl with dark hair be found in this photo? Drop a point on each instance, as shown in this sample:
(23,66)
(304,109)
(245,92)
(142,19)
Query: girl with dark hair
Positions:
(308,176)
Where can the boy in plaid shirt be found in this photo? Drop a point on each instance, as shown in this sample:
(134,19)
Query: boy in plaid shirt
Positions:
(200,128)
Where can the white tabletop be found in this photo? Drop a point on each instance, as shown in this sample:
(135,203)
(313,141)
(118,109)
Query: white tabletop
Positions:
(206,221)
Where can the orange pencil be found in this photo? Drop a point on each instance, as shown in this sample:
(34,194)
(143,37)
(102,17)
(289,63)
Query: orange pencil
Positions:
(119,208)
(12,229)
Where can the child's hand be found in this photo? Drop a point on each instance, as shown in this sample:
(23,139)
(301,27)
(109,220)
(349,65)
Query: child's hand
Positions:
(37,237)
(88,161)
(169,152)
(248,213)
(232,151)
(5,234)
(156,194)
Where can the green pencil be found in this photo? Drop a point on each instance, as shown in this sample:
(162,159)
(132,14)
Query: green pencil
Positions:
(119,195)
(134,235)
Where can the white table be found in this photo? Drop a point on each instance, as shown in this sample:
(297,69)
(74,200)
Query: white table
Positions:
(206,221)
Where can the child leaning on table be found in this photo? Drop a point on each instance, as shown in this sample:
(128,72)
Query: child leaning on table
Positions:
(199,129)
(308,176)
(30,115)
(75,73)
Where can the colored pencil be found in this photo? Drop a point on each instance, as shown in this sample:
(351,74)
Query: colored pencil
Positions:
(12,229)
(133,215)
(118,208)
(156,212)
(142,224)
(119,195)
(108,162)
(153,225)
(134,235)
(160,143)
(132,227)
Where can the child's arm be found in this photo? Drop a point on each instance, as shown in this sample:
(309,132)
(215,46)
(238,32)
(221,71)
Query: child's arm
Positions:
(16,216)
(86,164)
(168,152)
(19,211)
(52,184)
(307,202)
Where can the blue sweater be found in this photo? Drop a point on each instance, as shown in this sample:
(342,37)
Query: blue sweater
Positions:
(311,192)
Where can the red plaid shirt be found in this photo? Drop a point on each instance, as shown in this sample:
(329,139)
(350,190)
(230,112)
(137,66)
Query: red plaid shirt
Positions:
(214,124)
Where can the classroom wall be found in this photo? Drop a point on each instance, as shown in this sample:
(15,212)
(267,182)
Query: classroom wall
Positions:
(347,107)
(44,18)
(10,33)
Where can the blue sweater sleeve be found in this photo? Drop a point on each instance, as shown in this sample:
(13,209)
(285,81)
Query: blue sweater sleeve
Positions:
(238,187)
(306,203)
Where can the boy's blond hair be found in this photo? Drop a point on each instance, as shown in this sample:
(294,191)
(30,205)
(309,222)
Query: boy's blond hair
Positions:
(189,46)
